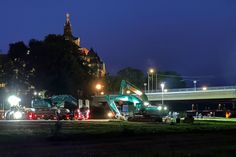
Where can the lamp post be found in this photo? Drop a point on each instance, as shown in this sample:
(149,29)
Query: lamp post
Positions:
(148,82)
(145,90)
(162,92)
(151,71)
(156,81)
(195,84)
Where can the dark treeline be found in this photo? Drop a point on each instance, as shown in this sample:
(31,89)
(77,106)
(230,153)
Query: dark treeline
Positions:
(56,65)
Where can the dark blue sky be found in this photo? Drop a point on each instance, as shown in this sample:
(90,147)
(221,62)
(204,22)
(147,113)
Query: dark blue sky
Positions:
(196,38)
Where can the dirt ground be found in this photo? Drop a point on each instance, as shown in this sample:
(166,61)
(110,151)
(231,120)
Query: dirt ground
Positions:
(194,144)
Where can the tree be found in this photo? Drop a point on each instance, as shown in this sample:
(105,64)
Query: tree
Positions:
(112,83)
(16,70)
(171,78)
(58,62)
(135,76)
(54,64)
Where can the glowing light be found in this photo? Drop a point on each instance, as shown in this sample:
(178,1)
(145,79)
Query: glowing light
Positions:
(17,115)
(138,92)
(98,86)
(151,70)
(165,108)
(13,100)
(110,114)
(102,93)
(227,115)
(159,108)
(128,92)
(204,88)
(146,103)
(162,86)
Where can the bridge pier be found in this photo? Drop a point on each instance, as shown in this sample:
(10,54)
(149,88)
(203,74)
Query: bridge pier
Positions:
(233,105)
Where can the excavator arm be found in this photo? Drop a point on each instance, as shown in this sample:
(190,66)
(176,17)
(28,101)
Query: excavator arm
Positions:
(111,100)
(61,99)
(125,85)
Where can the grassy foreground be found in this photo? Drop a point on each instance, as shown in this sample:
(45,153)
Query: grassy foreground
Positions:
(117,138)
(87,128)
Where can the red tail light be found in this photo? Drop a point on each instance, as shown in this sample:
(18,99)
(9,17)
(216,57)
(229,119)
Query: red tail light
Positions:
(76,117)
(67,116)
(80,115)
(88,114)
(31,115)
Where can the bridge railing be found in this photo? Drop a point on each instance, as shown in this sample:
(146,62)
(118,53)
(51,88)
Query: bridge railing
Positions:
(186,90)
(194,89)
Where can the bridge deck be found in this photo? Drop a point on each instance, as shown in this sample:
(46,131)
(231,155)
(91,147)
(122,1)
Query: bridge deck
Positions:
(226,92)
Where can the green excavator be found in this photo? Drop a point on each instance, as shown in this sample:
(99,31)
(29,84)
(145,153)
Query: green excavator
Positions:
(134,106)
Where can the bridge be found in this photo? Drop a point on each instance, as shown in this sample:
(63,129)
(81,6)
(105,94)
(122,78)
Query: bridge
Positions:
(225,92)
(187,94)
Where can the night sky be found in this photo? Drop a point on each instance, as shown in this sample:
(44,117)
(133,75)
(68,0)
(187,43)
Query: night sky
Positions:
(196,38)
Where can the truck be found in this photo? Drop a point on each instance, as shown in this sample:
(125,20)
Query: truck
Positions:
(135,106)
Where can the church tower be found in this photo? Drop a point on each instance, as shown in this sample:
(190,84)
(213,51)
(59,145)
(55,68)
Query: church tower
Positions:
(67,28)
(68,31)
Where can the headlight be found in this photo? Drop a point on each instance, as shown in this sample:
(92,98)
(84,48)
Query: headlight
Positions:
(17,115)
(110,114)
(146,103)
(13,100)
(159,108)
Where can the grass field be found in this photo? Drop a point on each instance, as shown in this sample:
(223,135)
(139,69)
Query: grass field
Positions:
(205,137)
(119,128)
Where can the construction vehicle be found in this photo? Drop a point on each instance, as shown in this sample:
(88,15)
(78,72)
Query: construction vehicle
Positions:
(44,108)
(134,107)
(60,107)
(18,112)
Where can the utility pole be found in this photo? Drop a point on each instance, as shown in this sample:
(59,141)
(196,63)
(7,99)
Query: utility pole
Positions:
(148,84)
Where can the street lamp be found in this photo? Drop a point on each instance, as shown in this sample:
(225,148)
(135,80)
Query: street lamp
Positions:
(162,92)
(150,71)
(98,87)
(145,84)
(195,84)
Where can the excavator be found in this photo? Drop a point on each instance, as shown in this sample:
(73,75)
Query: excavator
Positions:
(47,108)
(135,106)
